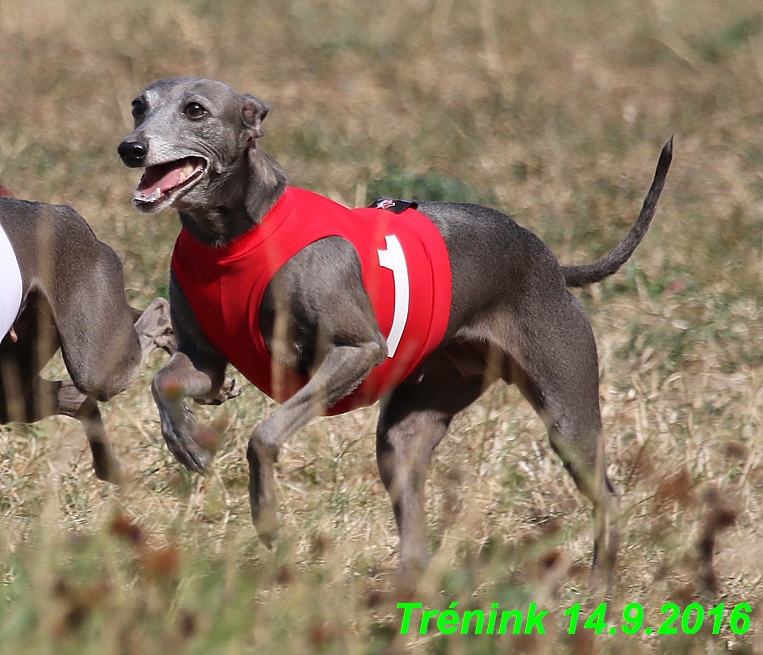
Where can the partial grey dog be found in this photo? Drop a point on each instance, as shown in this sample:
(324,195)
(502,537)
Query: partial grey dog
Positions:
(73,299)
(512,316)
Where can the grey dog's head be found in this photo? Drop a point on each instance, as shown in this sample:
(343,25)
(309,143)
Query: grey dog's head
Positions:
(192,136)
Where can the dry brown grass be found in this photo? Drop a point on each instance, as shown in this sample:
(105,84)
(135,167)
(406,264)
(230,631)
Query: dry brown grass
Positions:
(553,111)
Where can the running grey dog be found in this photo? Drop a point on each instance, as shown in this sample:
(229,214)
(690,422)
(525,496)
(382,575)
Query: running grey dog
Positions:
(60,287)
(313,330)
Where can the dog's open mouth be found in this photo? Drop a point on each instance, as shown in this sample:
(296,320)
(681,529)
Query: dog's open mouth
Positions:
(166,181)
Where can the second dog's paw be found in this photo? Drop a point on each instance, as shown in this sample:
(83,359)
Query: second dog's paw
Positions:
(167,342)
(156,325)
(106,466)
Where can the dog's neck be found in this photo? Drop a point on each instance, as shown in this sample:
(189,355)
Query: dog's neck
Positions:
(252,195)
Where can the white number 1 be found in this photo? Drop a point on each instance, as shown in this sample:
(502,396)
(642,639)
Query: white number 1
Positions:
(393,258)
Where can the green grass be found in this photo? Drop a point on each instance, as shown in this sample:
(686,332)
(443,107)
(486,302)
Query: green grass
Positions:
(553,111)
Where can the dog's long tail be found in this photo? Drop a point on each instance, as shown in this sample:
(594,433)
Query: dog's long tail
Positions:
(579,276)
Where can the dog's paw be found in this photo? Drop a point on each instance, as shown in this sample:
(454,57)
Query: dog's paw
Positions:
(190,445)
(107,468)
(155,326)
(167,342)
(191,455)
(229,390)
(267,522)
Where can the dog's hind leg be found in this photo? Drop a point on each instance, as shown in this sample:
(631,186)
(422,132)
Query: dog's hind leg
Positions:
(70,402)
(413,420)
(102,343)
(113,360)
(26,397)
(152,329)
(32,398)
(104,369)
(77,405)
(555,365)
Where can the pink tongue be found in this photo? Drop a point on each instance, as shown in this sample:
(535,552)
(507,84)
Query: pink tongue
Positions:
(163,177)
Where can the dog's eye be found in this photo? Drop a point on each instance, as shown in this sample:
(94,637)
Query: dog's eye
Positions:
(194,110)
(138,108)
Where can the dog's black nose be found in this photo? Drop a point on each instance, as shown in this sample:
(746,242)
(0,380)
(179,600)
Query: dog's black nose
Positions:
(133,152)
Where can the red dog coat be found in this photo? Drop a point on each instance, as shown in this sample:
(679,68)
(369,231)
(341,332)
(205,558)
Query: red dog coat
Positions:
(406,273)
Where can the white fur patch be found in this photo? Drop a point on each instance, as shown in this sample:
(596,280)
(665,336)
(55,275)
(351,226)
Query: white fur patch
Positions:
(11,288)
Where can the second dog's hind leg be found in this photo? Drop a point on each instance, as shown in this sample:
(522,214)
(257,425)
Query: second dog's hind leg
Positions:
(77,405)
(33,398)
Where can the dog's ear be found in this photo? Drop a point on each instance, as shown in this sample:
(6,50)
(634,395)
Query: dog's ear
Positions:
(253,112)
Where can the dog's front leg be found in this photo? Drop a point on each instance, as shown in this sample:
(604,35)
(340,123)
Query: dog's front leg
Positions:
(181,379)
(196,370)
(341,371)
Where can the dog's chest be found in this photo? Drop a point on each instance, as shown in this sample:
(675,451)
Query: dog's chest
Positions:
(11,286)
(406,274)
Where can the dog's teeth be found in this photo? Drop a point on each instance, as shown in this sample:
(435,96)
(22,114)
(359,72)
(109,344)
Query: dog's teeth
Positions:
(156,194)
(187,171)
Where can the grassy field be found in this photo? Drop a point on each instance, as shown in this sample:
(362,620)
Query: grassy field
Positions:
(553,111)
